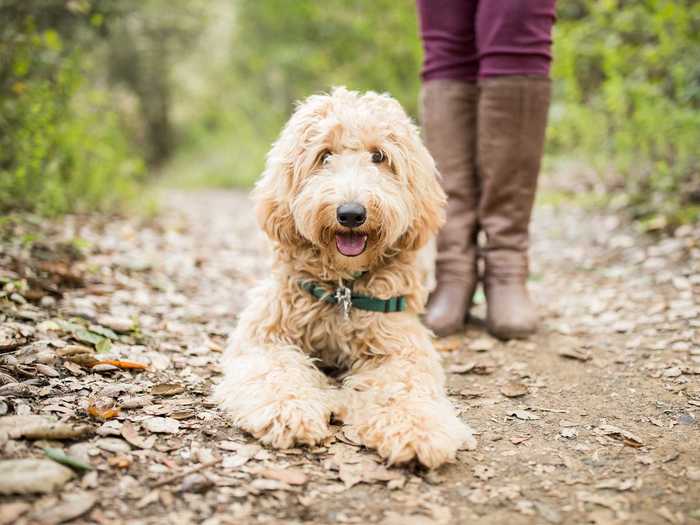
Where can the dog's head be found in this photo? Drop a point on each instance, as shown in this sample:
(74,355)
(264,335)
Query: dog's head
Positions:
(351,178)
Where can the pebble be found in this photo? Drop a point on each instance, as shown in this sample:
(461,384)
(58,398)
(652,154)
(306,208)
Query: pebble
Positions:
(686,419)
(28,476)
(116,445)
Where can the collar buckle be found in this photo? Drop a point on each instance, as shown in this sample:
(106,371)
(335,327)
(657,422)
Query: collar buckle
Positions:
(343,295)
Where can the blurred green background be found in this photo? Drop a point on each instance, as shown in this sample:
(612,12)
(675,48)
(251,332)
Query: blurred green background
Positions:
(100,98)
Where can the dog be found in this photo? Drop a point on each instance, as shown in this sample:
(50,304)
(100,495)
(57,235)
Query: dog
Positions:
(349,196)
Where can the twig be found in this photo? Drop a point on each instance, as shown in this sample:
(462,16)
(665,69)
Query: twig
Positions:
(555,410)
(176,477)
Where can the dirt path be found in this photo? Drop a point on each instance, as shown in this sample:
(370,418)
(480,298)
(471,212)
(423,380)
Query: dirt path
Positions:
(594,420)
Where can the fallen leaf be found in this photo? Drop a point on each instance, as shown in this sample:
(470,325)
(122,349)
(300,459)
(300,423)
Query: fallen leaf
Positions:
(449,344)
(122,462)
(482,344)
(128,365)
(461,368)
(85,360)
(71,350)
(575,353)
(167,389)
(484,367)
(524,415)
(103,413)
(61,457)
(516,440)
(626,437)
(130,434)
(161,425)
(288,475)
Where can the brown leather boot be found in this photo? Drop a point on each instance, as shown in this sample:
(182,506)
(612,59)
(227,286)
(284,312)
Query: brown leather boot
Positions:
(449,123)
(511,127)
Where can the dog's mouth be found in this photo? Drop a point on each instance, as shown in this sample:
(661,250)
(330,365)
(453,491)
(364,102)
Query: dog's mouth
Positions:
(351,244)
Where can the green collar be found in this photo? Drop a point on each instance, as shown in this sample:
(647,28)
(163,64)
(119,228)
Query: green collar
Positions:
(344,297)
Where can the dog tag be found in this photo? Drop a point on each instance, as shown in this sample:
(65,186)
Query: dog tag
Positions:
(343,295)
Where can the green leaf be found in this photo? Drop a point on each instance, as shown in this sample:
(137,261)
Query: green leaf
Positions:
(105,345)
(61,457)
(103,331)
(86,336)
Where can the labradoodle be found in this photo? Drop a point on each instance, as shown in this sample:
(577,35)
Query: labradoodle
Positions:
(348,198)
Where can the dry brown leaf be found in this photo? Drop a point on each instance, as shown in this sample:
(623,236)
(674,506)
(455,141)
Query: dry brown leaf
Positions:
(85,360)
(128,365)
(289,476)
(130,434)
(461,368)
(620,434)
(482,344)
(167,389)
(449,344)
(103,413)
(122,462)
(71,350)
(575,353)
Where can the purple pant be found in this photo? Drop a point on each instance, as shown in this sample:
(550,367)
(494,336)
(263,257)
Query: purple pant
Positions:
(467,39)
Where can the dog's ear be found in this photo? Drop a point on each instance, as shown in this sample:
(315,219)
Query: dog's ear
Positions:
(287,162)
(272,205)
(429,198)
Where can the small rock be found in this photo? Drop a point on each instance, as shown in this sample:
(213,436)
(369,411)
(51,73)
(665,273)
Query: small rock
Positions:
(28,476)
(686,419)
(195,483)
(568,433)
(10,512)
(514,389)
(116,445)
(70,507)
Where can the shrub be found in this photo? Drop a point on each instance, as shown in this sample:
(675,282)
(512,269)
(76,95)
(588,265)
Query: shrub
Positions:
(628,95)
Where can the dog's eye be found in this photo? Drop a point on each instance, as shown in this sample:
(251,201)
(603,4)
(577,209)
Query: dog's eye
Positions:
(325,157)
(378,157)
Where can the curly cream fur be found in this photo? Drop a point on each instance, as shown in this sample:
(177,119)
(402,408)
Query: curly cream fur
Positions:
(393,389)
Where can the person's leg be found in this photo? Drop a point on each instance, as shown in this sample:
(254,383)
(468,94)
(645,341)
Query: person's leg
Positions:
(449,104)
(514,40)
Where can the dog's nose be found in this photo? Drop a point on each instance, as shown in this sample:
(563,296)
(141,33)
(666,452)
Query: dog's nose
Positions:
(351,214)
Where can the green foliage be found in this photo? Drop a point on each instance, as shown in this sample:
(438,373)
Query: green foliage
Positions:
(61,147)
(628,96)
(89,88)
(281,52)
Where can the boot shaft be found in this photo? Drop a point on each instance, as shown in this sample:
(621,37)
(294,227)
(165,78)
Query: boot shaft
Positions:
(512,119)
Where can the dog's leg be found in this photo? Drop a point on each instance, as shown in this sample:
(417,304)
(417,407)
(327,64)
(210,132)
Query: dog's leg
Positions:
(276,394)
(396,403)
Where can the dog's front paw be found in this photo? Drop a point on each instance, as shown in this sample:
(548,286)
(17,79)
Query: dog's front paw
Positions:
(284,423)
(426,429)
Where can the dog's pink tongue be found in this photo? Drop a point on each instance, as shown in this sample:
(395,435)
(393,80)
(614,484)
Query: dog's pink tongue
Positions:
(351,244)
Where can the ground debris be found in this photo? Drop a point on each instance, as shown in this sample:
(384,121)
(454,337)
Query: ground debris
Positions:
(618,345)
(28,476)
